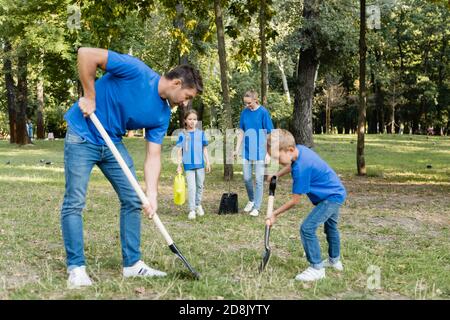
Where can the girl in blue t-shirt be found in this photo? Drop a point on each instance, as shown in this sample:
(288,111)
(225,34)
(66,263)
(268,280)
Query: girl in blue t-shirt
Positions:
(193,154)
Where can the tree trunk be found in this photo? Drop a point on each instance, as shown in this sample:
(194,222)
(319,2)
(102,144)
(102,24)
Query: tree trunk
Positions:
(201,111)
(40,132)
(327,113)
(379,98)
(264,64)
(22,101)
(10,92)
(284,81)
(360,160)
(392,117)
(308,65)
(183,59)
(227,120)
(392,122)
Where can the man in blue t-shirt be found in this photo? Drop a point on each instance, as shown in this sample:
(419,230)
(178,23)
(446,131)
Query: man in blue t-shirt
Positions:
(129,96)
(315,178)
(255,124)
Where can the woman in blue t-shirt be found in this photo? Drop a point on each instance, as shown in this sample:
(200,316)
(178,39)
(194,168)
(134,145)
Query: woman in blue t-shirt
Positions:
(193,154)
(255,125)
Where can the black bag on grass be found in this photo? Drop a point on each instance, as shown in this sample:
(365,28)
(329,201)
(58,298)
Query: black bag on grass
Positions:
(229,202)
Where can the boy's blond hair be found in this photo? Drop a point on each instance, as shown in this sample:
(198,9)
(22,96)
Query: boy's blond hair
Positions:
(253,94)
(281,137)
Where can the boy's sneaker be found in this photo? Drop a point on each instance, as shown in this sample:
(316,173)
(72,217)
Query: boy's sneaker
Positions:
(254,213)
(200,211)
(140,269)
(191,215)
(78,278)
(311,274)
(249,206)
(337,265)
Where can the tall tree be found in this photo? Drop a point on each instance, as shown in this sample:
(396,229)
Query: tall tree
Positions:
(264,63)
(179,23)
(360,160)
(227,119)
(10,91)
(22,97)
(40,132)
(308,64)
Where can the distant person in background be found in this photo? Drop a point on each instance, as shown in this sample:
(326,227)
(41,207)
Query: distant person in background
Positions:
(255,124)
(29,125)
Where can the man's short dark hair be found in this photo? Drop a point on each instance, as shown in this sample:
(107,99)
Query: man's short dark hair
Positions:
(189,76)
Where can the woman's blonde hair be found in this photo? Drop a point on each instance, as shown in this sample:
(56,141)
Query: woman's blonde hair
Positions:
(253,94)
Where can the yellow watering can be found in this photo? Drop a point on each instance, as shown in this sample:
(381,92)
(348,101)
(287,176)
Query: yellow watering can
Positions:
(179,189)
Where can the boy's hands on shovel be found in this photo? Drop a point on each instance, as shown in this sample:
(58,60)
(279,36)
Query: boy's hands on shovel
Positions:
(271,221)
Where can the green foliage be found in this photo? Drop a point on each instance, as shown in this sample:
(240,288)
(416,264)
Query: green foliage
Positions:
(407,57)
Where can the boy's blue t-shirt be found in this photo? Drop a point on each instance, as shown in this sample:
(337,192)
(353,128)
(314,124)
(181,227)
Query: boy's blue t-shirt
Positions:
(314,177)
(192,144)
(127,98)
(256,125)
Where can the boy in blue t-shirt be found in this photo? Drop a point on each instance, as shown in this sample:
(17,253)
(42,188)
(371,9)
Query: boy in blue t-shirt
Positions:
(315,178)
(193,154)
(129,96)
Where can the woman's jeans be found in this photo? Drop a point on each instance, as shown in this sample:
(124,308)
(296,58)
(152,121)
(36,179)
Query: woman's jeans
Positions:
(80,156)
(195,179)
(327,213)
(259,166)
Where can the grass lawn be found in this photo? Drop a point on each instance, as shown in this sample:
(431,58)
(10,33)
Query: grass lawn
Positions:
(395,224)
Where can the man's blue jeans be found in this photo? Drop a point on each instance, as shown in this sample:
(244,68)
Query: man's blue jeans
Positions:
(80,156)
(327,213)
(259,166)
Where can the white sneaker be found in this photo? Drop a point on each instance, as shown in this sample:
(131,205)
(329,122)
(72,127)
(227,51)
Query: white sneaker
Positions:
(311,274)
(191,215)
(254,213)
(78,278)
(200,211)
(140,269)
(249,206)
(338,265)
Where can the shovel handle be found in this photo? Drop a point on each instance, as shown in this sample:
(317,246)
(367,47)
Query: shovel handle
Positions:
(129,176)
(272,187)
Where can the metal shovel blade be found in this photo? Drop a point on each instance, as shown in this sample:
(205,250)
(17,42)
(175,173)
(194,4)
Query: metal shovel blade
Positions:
(266,254)
(175,250)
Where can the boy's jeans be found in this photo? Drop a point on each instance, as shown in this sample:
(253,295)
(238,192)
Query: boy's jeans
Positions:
(80,156)
(195,179)
(259,166)
(326,212)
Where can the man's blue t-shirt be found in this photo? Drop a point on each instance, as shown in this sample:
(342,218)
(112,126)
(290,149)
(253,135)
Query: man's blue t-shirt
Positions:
(315,178)
(256,125)
(127,98)
(192,144)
